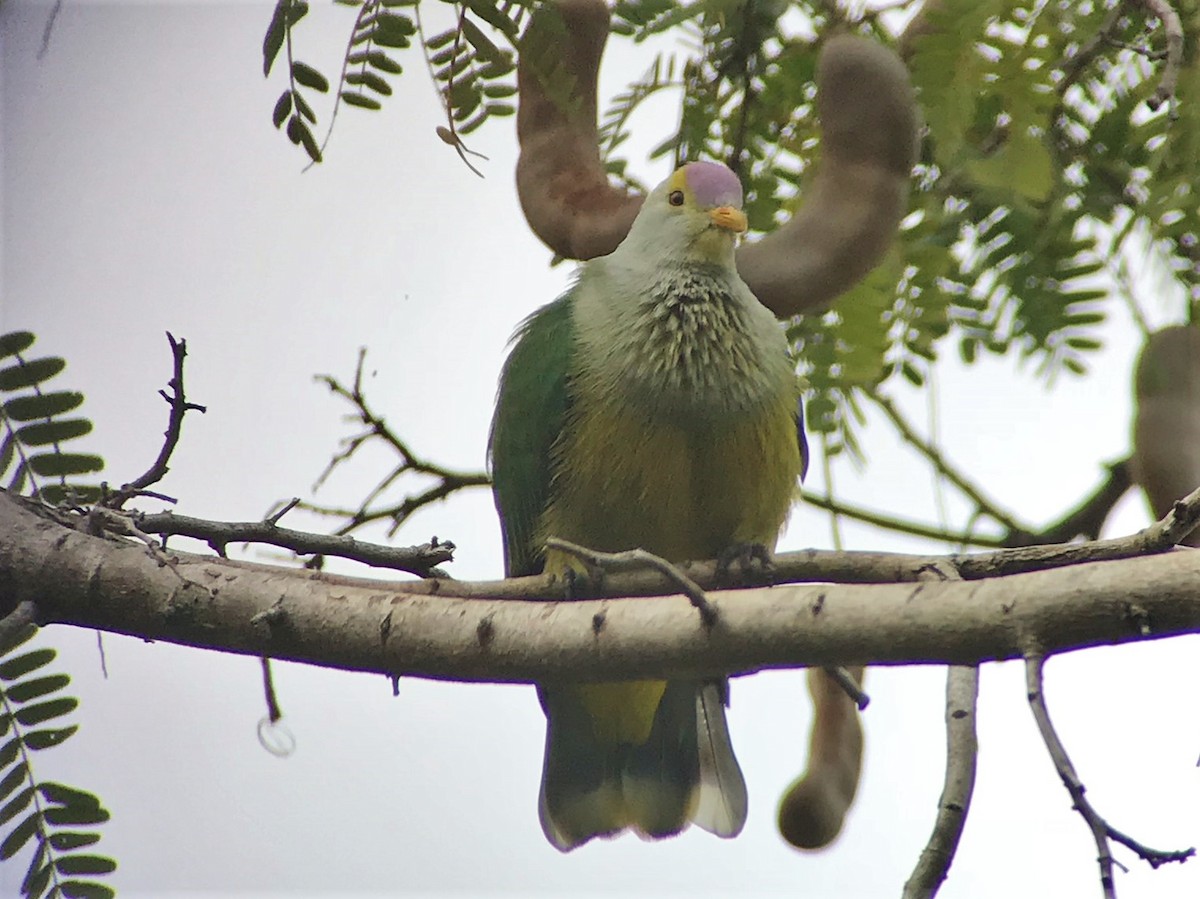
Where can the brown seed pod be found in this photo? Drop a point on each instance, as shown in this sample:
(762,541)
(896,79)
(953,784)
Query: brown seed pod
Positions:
(844,226)
(1166,425)
(814,807)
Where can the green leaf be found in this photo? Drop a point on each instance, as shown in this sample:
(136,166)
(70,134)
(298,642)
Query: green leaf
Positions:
(85,864)
(371,80)
(481,42)
(299,133)
(304,108)
(64,795)
(82,889)
(19,836)
(11,669)
(29,715)
(441,39)
(500,109)
(16,805)
(27,374)
(38,686)
(44,433)
(394,23)
(8,451)
(1022,164)
(283,106)
(42,405)
(15,342)
(359,100)
(37,878)
(391,39)
(83,494)
(14,779)
(66,840)
(71,816)
(309,77)
(46,739)
(488,11)
(62,465)
(384,63)
(273,40)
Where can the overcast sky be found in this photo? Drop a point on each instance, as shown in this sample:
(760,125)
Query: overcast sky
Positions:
(144,190)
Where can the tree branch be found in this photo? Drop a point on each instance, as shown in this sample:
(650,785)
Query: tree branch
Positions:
(418,560)
(406,628)
(179,408)
(962,749)
(1102,831)
(910,436)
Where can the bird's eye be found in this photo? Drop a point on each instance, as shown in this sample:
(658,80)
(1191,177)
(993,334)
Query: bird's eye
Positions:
(675,198)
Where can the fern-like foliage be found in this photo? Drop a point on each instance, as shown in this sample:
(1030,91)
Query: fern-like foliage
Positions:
(35,424)
(59,820)
(468,62)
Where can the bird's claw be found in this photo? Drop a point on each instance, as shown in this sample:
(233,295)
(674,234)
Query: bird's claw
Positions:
(747,555)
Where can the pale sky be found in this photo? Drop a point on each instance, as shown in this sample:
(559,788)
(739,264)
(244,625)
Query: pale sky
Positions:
(144,190)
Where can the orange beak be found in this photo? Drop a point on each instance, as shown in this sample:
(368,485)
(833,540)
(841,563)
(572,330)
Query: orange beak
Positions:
(729,218)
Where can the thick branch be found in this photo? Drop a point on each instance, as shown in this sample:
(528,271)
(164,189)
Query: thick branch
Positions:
(364,625)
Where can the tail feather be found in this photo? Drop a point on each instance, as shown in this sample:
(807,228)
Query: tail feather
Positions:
(684,771)
(723,800)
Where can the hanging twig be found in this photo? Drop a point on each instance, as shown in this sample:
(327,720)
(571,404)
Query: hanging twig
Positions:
(1102,831)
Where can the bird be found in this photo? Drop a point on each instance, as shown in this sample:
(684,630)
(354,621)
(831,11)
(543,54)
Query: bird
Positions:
(653,405)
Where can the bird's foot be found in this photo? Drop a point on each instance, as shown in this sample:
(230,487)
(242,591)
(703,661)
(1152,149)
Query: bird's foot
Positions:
(582,584)
(747,555)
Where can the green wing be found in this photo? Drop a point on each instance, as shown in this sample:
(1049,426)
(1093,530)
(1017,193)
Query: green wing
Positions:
(531,407)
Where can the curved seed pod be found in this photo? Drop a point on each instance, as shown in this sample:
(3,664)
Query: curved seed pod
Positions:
(868,116)
(849,217)
(813,808)
(1166,425)
(564,190)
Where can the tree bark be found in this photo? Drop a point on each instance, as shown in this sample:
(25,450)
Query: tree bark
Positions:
(400,628)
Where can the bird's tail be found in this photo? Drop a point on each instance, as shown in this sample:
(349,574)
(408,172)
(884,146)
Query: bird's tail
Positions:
(813,808)
(608,771)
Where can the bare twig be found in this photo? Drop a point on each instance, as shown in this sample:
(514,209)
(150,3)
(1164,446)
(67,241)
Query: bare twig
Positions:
(634,559)
(48,30)
(1173,32)
(844,679)
(1073,66)
(1101,830)
(1087,518)
(179,407)
(900,525)
(274,713)
(419,560)
(376,428)
(962,747)
(944,468)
